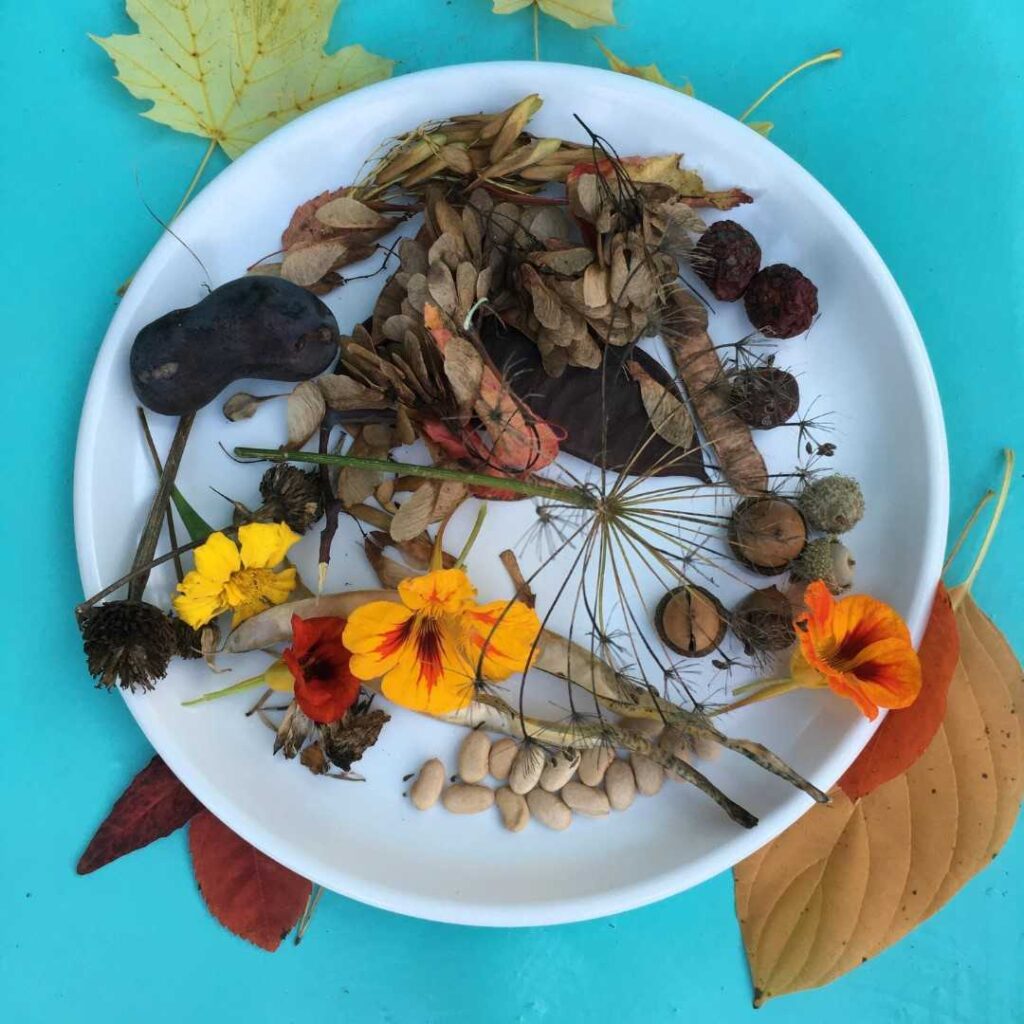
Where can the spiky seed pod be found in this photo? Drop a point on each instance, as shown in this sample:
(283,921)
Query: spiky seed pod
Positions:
(832,504)
(781,302)
(129,643)
(766,534)
(828,560)
(290,495)
(726,257)
(691,621)
(764,396)
(763,621)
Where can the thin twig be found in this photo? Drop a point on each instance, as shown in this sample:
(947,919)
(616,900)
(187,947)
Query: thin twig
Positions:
(172,532)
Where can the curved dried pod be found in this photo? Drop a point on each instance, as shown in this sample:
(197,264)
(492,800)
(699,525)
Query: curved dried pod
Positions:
(527,767)
(763,622)
(767,534)
(684,326)
(691,621)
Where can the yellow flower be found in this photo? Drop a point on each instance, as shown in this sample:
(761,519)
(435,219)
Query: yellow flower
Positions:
(243,581)
(431,649)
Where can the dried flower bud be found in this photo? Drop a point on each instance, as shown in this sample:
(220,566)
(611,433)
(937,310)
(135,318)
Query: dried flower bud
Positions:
(290,495)
(827,560)
(127,642)
(832,504)
(726,257)
(781,302)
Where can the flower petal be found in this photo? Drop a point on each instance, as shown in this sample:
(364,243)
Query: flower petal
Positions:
(252,591)
(217,558)
(264,545)
(504,632)
(199,600)
(430,673)
(374,634)
(441,592)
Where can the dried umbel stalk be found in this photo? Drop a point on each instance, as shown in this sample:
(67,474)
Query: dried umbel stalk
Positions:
(128,643)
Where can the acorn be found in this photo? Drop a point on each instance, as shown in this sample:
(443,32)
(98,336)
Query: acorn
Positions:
(828,560)
(763,621)
(691,621)
(781,302)
(764,396)
(766,534)
(832,504)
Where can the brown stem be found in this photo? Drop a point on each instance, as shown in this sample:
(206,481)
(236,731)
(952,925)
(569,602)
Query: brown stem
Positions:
(172,532)
(151,531)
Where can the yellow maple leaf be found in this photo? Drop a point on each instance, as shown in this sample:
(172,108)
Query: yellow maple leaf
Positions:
(648,72)
(575,13)
(234,70)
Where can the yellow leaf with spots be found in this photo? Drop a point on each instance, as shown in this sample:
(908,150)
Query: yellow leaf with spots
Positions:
(234,70)
(648,72)
(575,13)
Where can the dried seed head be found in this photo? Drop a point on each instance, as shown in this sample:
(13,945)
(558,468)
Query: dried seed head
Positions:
(781,302)
(127,642)
(766,534)
(764,396)
(188,642)
(828,560)
(290,495)
(346,741)
(832,504)
(691,621)
(763,621)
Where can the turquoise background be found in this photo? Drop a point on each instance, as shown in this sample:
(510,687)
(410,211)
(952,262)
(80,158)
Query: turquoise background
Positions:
(917,131)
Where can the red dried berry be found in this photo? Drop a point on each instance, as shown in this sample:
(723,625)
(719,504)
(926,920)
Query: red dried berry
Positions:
(764,396)
(781,302)
(725,258)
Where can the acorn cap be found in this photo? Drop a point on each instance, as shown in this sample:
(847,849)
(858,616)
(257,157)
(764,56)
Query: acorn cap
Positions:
(766,534)
(691,621)
(832,504)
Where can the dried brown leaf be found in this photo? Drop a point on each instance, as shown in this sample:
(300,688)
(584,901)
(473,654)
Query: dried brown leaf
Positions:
(464,369)
(346,213)
(307,263)
(441,286)
(415,513)
(569,262)
(343,394)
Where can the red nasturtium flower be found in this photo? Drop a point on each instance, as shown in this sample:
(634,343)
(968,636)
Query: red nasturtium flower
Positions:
(319,663)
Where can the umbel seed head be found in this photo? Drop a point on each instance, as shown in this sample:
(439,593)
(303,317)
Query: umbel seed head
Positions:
(832,504)
(828,560)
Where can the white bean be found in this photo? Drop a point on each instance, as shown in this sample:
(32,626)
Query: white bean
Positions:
(585,799)
(620,785)
(463,798)
(526,769)
(648,774)
(502,755)
(473,756)
(549,809)
(559,770)
(428,785)
(514,812)
(594,763)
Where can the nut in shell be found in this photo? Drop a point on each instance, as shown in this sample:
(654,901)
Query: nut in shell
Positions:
(766,534)
(691,621)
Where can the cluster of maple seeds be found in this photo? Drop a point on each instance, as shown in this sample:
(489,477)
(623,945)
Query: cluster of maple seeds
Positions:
(550,787)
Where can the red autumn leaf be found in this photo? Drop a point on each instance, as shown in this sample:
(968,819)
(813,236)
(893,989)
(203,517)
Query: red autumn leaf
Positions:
(154,805)
(250,894)
(905,734)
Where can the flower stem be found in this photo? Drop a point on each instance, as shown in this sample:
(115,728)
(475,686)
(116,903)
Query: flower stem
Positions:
(965,588)
(245,684)
(481,515)
(772,688)
(574,496)
(536,31)
(820,59)
(968,526)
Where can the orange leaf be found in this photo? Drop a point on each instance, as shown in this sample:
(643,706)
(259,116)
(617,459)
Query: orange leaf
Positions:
(905,734)
(851,878)
(250,894)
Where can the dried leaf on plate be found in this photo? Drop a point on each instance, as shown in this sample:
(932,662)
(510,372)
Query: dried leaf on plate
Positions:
(464,369)
(308,262)
(343,394)
(415,513)
(926,832)
(306,408)
(670,419)
(347,213)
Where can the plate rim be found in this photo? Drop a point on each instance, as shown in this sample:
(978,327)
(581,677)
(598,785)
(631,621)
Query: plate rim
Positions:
(447,909)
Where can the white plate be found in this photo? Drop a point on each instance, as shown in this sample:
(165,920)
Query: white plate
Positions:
(864,356)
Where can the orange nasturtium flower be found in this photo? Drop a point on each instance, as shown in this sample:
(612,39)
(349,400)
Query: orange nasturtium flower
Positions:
(237,577)
(859,647)
(431,649)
